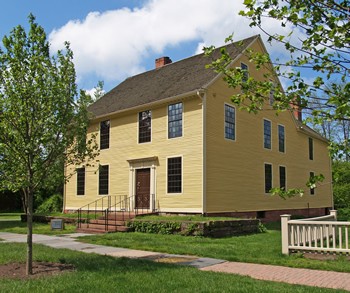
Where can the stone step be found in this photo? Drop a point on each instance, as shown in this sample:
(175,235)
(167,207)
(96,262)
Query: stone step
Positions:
(110,222)
(98,228)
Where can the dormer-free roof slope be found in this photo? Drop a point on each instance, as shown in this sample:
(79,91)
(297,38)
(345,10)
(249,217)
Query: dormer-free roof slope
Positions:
(171,80)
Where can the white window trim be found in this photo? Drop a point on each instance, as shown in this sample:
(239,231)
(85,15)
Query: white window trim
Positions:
(110,132)
(263,136)
(228,139)
(285,139)
(109,181)
(182,176)
(183,120)
(267,163)
(138,127)
(279,175)
(76,182)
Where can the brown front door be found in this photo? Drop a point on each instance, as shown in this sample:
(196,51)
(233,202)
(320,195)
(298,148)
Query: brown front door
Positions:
(142,198)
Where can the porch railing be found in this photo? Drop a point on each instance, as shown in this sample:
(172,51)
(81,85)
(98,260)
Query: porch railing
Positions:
(106,205)
(321,234)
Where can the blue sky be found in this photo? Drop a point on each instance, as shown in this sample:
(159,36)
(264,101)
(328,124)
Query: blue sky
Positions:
(114,39)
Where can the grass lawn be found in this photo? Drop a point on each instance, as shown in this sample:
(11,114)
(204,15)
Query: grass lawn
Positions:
(15,226)
(95,273)
(262,248)
(10,216)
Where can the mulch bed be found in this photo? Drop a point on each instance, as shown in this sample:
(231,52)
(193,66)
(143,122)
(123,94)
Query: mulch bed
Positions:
(40,269)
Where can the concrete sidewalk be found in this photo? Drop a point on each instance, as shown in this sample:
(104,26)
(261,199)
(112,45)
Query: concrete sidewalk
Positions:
(307,277)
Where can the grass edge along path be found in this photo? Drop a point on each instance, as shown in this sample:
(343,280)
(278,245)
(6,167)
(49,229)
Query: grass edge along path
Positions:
(96,273)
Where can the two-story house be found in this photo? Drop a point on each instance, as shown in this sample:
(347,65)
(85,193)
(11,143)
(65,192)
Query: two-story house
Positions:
(172,141)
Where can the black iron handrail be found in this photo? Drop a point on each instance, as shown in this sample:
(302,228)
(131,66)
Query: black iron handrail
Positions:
(107,204)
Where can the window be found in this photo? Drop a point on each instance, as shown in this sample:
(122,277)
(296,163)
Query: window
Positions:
(145,126)
(267,134)
(175,175)
(81,181)
(268,177)
(104,134)
(244,68)
(272,94)
(230,132)
(283,177)
(311,148)
(175,120)
(103,180)
(281,139)
(312,189)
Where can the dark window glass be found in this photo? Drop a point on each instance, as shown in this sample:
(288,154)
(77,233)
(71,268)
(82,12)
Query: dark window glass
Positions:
(281,139)
(104,134)
(230,132)
(103,180)
(175,175)
(311,148)
(244,68)
(272,94)
(312,190)
(267,134)
(145,126)
(175,120)
(268,178)
(81,181)
(283,177)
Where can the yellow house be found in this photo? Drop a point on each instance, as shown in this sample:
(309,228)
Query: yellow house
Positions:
(171,141)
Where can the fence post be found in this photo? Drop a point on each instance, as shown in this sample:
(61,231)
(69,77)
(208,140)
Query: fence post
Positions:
(333,213)
(285,233)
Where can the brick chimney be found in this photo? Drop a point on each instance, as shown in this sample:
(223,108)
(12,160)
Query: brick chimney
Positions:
(160,62)
(296,109)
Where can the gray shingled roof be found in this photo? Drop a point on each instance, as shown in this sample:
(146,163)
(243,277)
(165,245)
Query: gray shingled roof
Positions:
(168,81)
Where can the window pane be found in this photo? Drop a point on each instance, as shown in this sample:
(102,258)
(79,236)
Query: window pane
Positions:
(244,68)
(281,139)
(267,134)
(282,177)
(104,134)
(145,126)
(312,190)
(175,120)
(175,175)
(311,148)
(268,178)
(81,181)
(103,179)
(230,132)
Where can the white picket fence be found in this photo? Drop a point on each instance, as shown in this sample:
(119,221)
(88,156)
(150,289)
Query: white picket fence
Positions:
(320,234)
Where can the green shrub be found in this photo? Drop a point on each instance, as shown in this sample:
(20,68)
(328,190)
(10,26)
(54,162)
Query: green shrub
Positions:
(50,205)
(155,227)
(343,214)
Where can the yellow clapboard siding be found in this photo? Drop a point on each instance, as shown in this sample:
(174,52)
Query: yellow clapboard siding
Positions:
(124,146)
(235,169)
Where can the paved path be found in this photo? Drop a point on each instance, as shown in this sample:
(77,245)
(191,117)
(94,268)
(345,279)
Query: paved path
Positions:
(307,277)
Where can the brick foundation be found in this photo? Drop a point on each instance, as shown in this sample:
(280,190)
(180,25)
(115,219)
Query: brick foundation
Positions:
(275,215)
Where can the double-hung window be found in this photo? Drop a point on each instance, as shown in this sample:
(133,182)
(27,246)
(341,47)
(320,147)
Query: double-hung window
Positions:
(103,180)
(145,127)
(283,177)
(281,138)
(312,188)
(81,181)
(175,120)
(268,177)
(267,134)
(245,73)
(311,148)
(175,175)
(230,124)
(104,134)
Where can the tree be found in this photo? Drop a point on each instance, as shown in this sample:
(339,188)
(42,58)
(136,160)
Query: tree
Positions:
(317,36)
(43,120)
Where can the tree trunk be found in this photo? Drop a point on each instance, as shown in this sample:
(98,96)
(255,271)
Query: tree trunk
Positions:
(29,197)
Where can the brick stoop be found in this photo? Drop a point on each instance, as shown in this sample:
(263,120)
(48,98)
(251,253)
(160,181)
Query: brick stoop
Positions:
(116,223)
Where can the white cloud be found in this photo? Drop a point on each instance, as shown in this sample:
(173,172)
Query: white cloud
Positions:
(112,45)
